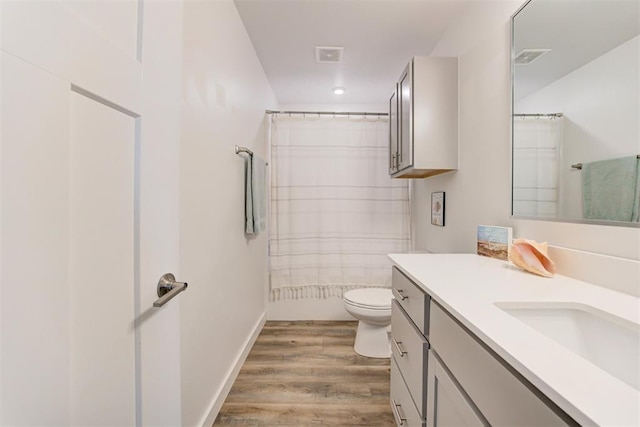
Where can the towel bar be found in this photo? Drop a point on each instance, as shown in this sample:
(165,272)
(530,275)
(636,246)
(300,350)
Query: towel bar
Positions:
(243,150)
(246,150)
(579,165)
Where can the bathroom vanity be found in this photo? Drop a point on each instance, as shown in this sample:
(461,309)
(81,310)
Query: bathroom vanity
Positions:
(503,347)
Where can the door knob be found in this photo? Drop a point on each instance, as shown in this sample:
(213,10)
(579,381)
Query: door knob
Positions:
(168,288)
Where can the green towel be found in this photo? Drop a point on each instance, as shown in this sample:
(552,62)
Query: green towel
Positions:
(258,192)
(611,189)
(255,206)
(248,195)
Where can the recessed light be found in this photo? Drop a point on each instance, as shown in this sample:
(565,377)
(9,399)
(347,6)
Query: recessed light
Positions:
(338,90)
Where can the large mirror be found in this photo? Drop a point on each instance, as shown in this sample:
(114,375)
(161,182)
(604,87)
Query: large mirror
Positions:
(576,111)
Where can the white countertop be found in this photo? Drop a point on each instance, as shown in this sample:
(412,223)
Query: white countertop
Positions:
(468,286)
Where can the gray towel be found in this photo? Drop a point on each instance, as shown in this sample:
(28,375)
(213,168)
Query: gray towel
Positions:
(611,189)
(255,195)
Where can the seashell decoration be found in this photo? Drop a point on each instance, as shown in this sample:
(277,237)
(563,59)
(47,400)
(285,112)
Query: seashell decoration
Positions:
(532,257)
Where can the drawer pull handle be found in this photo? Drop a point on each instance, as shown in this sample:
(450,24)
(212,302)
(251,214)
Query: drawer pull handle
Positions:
(402,297)
(396,411)
(400,350)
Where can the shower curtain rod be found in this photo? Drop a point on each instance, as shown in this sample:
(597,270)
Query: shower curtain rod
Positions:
(327,113)
(539,115)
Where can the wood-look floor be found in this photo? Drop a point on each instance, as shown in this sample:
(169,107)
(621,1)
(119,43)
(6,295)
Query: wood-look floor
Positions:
(306,374)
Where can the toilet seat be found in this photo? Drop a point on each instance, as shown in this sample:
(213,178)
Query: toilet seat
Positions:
(370,298)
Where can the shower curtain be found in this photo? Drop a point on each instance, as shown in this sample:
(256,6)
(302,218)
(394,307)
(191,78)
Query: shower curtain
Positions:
(335,213)
(537,144)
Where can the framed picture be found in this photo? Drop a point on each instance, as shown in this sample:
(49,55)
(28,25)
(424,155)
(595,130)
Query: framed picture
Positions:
(437,208)
(494,241)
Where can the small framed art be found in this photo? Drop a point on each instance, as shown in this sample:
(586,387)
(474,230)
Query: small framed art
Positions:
(437,208)
(494,241)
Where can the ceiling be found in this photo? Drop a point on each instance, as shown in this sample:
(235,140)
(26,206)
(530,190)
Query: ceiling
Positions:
(576,33)
(379,37)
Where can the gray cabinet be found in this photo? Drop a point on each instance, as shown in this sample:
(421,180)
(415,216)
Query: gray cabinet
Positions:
(413,300)
(423,119)
(491,388)
(394,132)
(409,350)
(402,405)
(405,92)
(443,375)
(448,405)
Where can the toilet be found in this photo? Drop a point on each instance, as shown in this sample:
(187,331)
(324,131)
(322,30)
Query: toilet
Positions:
(372,307)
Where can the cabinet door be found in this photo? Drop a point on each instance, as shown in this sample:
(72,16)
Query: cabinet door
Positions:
(405,90)
(393,132)
(503,398)
(447,403)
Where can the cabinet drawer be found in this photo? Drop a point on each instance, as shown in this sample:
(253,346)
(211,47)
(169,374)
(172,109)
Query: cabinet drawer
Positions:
(409,349)
(501,394)
(404,412)
(412,299)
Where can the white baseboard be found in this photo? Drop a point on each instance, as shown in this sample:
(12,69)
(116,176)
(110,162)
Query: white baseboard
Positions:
(223,391)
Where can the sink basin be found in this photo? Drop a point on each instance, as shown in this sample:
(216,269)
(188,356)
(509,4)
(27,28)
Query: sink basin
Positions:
(607,341)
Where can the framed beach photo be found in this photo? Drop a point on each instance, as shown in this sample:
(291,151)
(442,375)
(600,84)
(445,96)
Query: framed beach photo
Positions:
(494,241)
(437,208)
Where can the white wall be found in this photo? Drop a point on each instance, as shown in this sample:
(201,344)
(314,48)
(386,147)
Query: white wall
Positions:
(479,192)
(600,115)
(225,94)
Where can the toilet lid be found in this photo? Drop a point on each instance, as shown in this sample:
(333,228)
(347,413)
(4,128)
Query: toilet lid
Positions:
(370,297)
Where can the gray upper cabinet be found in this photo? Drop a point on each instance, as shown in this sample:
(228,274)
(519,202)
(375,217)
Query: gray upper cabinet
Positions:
(405,155)
(423,119)
(393,132)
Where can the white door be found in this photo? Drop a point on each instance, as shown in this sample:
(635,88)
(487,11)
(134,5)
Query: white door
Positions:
(80,217)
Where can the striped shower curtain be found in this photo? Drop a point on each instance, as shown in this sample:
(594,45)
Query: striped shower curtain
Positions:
(537,143)
(335,213)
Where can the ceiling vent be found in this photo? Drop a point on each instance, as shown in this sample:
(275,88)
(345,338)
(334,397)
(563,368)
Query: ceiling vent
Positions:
(328,55)
(527,56)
